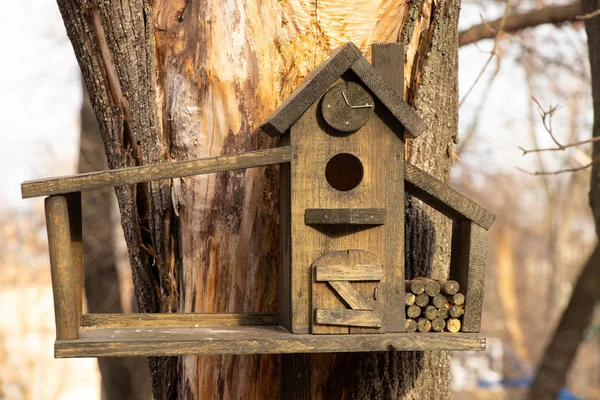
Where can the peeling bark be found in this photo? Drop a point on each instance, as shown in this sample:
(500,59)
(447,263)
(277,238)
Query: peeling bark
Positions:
(176,80)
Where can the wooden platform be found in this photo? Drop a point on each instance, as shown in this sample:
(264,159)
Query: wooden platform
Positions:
(176,341)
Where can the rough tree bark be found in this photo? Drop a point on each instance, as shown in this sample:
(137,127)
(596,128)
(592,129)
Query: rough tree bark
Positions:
(127,377)
(174,80)
(562,348)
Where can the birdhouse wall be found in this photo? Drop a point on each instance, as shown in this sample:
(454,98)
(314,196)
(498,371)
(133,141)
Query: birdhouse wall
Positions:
(381,153)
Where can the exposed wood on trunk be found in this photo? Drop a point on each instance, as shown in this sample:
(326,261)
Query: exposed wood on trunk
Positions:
(188,80)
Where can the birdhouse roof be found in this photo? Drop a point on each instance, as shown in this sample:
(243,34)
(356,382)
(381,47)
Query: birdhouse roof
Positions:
(344,58)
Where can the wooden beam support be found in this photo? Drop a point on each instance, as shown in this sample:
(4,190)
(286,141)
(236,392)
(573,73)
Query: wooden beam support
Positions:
(65,269)
(195,320)
(467,267)
(443,198)
(147,173)
(356,272)
(250,340)
(348,216)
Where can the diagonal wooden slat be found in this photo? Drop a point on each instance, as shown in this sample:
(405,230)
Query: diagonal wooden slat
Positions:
(354,299)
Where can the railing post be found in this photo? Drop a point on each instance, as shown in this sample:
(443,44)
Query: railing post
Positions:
(63,223)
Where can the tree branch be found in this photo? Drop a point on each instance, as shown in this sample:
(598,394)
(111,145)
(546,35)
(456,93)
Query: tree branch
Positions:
(519,21)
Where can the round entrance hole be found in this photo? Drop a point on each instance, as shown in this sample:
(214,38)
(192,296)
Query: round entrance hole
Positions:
(344,172)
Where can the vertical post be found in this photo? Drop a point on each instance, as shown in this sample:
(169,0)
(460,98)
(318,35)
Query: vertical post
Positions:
(467,267)
(65,268)
(388,60)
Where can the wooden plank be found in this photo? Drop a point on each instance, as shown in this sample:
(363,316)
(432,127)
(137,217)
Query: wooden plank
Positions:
(348,317)
(388,60)
(294,376)
(467,265)
(196,320)
(250,340)
(147,173)
(65,279)
(284,300)
(350,216)
(354,299)
(371,272)
(393,101)
(311,89)
(445,199)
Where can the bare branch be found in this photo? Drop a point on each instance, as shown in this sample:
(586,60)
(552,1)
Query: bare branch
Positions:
(519,21)
(588,15)
(563,147)
(496,34)
(560,171)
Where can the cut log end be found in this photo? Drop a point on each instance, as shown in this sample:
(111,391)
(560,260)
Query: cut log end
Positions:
(453,325)
(413,311)
(411,325)
(424,325)
(422,300)
(409,299)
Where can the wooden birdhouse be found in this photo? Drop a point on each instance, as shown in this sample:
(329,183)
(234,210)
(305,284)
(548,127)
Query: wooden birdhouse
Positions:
(343,179)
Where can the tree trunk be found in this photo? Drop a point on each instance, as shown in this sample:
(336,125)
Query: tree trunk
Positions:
(125,377)
(562,348)
(176,80)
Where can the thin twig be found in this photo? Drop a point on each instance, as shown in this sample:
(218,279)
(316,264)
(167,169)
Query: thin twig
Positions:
(493,53)
(560,171)
(563,147)
(588,15)
(547,119)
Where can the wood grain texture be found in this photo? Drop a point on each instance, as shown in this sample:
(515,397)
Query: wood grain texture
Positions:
(148,173)
(358,318)
(349,216)
(388,60)
(311,89)
(284,298)
(351,297)
(469,251)
(248,340)
(294,376)
(423,325)
(98,321)
(66,274)
(443,198)
(337,104)
(393,101)
(372,272)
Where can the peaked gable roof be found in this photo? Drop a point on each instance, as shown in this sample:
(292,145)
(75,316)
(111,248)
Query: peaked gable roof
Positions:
(344,58)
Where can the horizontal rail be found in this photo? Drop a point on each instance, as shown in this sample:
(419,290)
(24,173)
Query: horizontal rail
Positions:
(147,173)
(177,320)
(443,198)
(250,340)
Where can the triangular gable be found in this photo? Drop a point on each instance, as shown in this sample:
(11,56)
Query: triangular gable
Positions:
(344,58)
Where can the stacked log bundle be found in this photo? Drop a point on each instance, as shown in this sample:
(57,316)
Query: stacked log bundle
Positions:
(433,305)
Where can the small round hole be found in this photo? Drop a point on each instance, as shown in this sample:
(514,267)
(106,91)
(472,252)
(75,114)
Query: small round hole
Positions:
(344,172)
